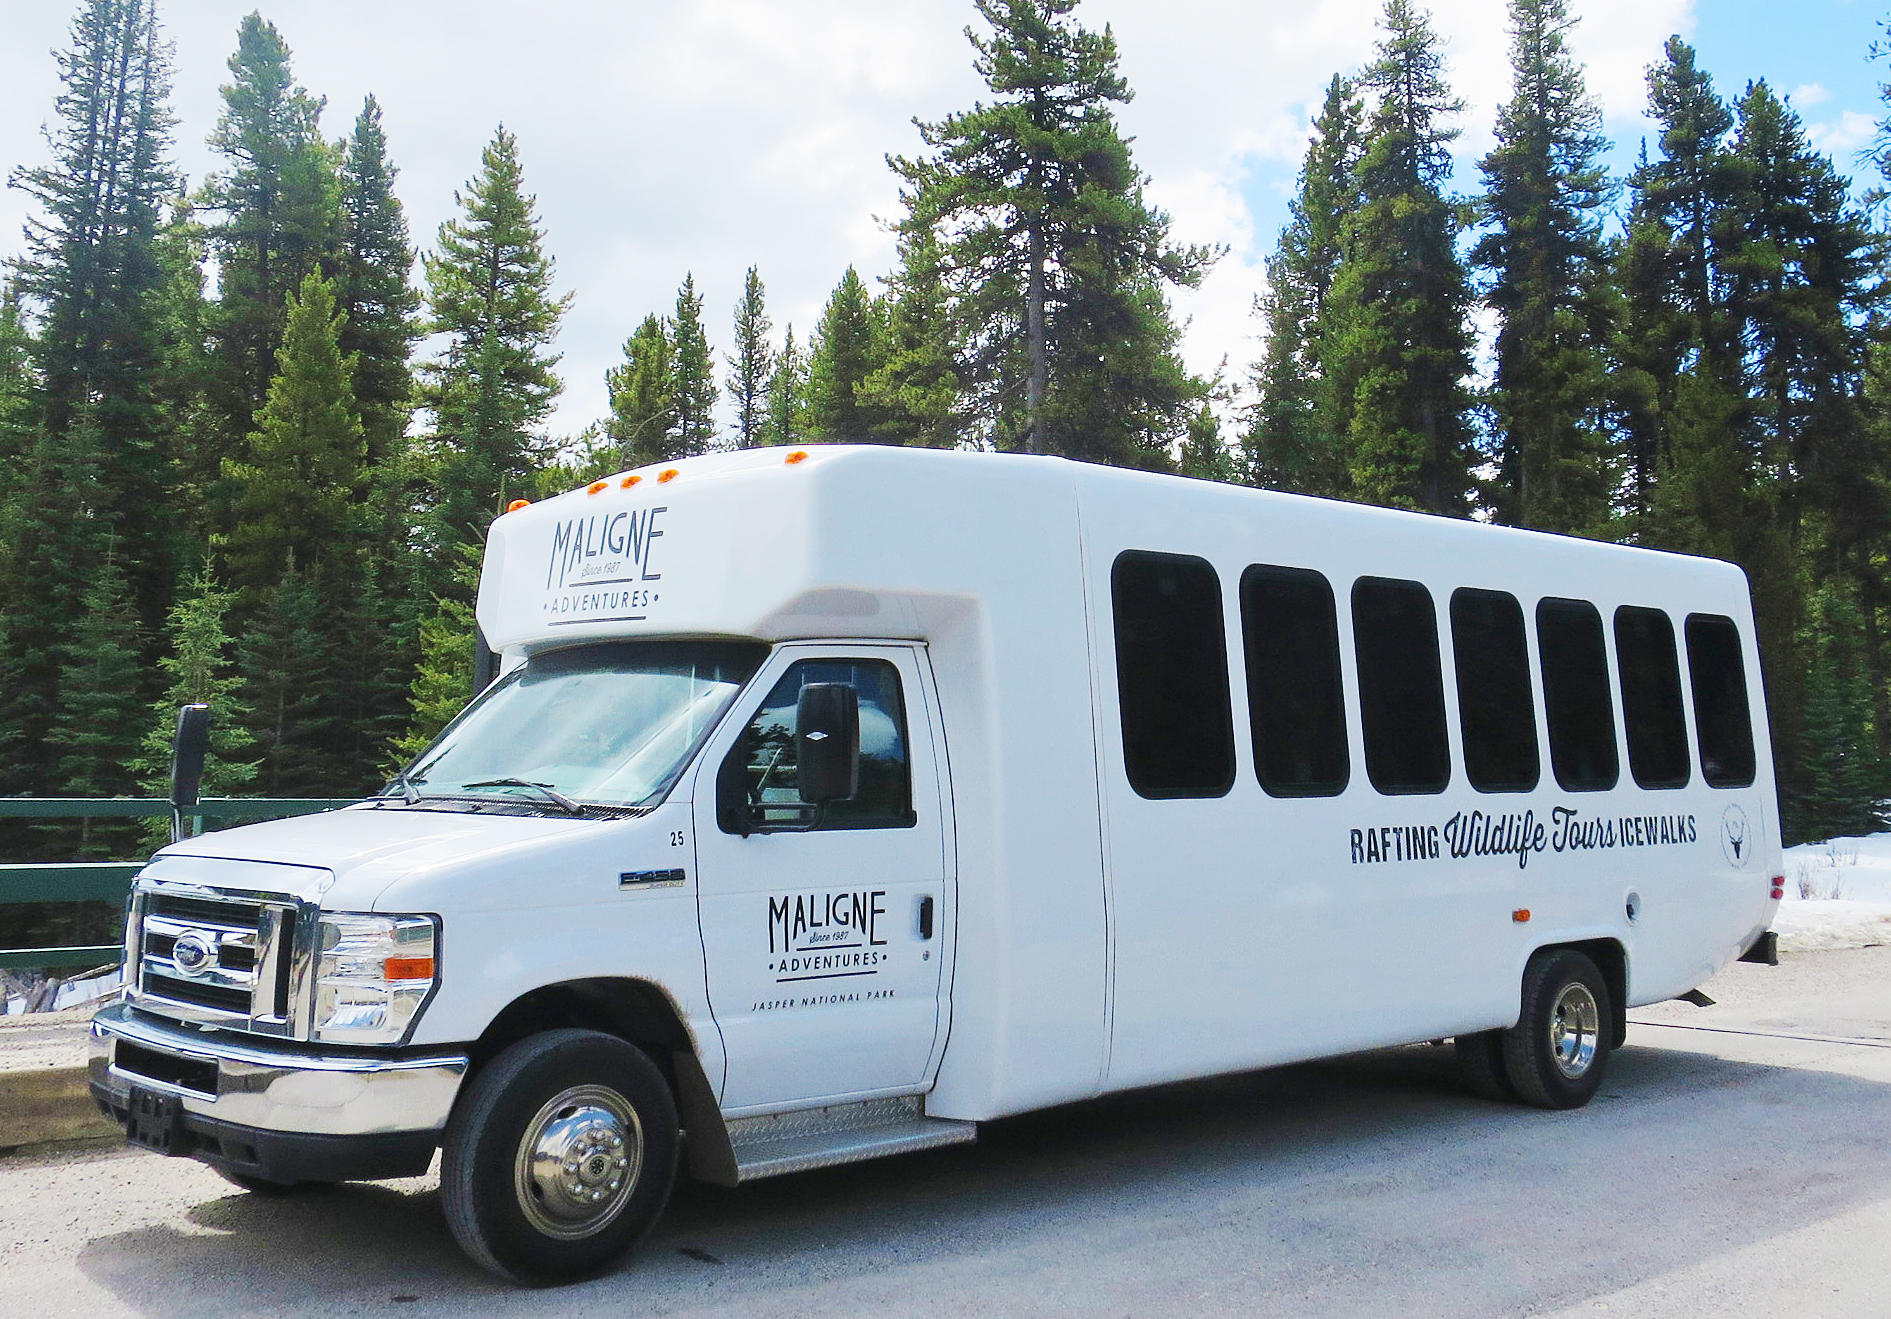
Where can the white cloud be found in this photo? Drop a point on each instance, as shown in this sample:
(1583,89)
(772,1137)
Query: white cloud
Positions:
(723,133)
(1808,95)
(1842,138)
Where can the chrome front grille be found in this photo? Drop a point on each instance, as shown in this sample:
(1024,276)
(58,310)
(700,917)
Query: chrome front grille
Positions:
(220,958)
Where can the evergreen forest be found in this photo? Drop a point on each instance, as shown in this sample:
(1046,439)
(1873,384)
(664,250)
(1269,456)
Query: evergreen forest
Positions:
(253,429)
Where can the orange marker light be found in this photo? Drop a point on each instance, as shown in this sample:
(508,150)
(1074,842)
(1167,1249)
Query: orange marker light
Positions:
(798,456)
(1520,915)
(667,474)
(596,486)
(407,968)
(518,504)
(629,481)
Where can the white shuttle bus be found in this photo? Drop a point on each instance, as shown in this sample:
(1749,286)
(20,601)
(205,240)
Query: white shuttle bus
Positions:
(829,802)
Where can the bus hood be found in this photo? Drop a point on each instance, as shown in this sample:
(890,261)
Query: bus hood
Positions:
(347,859)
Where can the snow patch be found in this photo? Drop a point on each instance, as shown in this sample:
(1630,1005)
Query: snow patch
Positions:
(1838,895)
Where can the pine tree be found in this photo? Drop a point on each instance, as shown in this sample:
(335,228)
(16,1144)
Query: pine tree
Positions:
(1674,324)
(1401,292)
(643,426)
(279,202)
(1545,191)
(844,355)
(694,382)
(749,368)
(196,666)
(1297,430)
(1054,261)
(443,683)
(912,395)
(372,285)
(54,535)
(490,291)
(96,730)
(1798,259)
(90,270)
(290,688)
(787,421)
(1204,455)
(301,471)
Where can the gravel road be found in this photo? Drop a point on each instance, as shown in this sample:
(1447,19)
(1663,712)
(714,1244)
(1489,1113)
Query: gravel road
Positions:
(1738,1162)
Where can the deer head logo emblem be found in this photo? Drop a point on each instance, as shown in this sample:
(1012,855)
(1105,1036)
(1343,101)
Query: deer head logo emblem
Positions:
(1736,842)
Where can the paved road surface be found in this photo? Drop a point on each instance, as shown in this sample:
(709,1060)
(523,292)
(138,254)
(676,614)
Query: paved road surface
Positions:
(1738,1163)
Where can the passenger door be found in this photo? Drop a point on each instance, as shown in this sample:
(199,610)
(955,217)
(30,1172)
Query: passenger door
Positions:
(824,939)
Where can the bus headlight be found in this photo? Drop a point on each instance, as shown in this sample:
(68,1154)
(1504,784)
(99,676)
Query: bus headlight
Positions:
(373,976)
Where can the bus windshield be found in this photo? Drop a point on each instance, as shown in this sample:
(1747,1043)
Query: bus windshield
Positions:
(612,725)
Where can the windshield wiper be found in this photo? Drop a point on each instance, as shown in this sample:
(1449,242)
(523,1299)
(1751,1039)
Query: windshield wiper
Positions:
(546,790)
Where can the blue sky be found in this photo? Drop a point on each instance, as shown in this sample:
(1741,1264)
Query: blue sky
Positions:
(1813,51)
(663,138)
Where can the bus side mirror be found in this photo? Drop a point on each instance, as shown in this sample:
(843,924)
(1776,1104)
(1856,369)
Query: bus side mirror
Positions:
(188,746)
(827,742)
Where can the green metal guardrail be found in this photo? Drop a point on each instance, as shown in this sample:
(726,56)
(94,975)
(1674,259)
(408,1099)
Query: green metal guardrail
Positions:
(109,881)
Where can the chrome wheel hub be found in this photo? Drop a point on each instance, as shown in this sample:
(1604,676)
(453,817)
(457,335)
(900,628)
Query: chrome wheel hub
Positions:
(1575,1030)
(578,1161)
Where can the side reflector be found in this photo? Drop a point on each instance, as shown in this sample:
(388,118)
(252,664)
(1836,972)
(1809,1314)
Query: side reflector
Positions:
(407,968)
(667,474)
(518,504)
(630,481)
(1520,915)
(798,456)
(597,486)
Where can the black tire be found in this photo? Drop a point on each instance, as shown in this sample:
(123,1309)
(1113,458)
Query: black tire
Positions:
(1556,1054)
(1481,1063)
(565,1094)
(259,1185)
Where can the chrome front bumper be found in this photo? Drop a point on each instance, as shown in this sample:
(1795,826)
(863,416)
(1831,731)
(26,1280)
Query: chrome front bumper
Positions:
(268,1086)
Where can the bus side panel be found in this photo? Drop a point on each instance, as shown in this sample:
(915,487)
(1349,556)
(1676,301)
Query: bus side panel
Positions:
(1251,930)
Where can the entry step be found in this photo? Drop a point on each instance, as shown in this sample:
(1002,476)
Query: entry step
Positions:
(844,1133)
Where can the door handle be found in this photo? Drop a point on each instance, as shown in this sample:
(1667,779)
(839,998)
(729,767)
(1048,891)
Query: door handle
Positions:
(925,917)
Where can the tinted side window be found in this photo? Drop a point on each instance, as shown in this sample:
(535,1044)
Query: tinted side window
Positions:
(1172,675)
(1717,673)
(1295,700)
(1576,701)
(1401,686)
(1496,711)
(1651,698)
(766,750)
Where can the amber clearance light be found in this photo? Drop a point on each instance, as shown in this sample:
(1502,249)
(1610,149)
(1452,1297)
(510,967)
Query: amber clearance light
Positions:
(518,504)
(798,456)
(667,474)
(630,481)
(407,968)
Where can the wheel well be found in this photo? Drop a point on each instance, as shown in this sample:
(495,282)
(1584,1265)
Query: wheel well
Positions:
(1612,961)
(632,1010)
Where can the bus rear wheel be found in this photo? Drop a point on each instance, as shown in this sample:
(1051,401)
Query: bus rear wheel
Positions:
(1556,1054)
